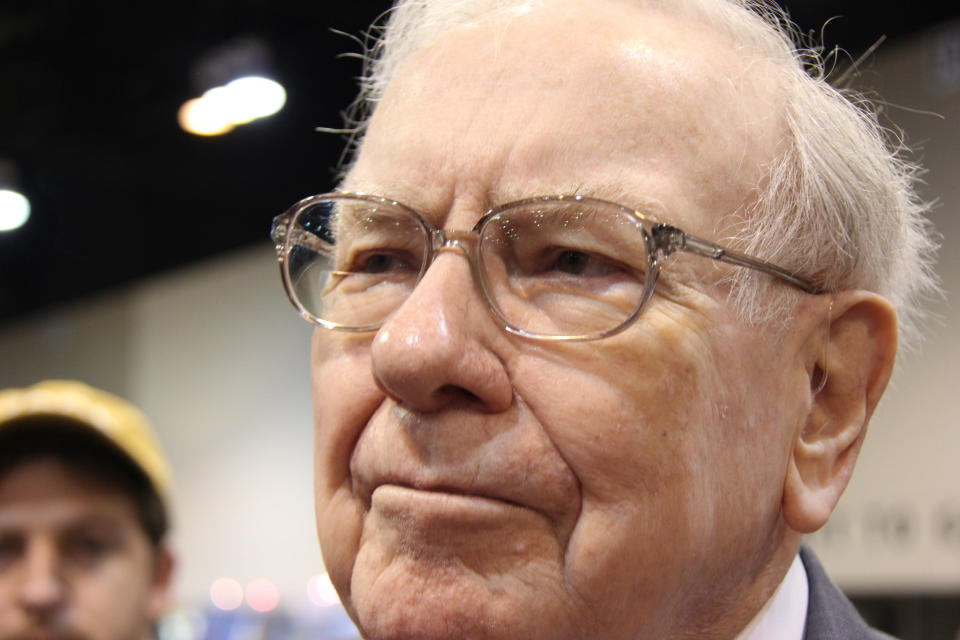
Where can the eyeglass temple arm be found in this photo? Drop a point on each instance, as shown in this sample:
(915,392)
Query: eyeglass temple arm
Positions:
(669,239)
(280,229)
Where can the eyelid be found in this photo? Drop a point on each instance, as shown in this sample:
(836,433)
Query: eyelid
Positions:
(410,252)
(88,546)
(358,259)
(98,526)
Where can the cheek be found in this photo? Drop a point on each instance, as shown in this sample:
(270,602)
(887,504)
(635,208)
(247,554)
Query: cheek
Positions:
(761,402)
(639,419)
(627,418)
(112,601)
(631,421)
(344,398)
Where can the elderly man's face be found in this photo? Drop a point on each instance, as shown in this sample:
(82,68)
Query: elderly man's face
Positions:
(474,484)
(75,564)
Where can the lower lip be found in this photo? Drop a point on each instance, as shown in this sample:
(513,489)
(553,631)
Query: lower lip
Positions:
(407,502)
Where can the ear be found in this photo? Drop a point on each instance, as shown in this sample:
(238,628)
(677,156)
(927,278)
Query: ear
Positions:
(163,564)
(849,363)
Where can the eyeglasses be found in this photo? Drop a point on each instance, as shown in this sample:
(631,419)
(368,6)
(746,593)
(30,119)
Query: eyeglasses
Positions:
(550,268)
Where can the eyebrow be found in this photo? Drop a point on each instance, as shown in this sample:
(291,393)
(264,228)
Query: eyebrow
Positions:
(610,191)
(16,523)
(95,521)
(503,194)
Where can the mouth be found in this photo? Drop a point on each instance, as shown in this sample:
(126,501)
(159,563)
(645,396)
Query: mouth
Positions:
(442,503)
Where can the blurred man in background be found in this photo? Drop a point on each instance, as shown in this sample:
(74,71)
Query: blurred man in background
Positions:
(83,516)
(605,305)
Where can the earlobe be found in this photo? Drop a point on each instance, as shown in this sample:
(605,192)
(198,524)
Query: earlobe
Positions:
(851,360)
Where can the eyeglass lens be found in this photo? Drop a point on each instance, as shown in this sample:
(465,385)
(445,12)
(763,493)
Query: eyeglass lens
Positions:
(547,267)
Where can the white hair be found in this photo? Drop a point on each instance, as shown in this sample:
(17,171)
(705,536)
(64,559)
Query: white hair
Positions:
(840,202)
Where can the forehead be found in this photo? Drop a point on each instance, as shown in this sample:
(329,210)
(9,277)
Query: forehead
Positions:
(46,493)
(602,98)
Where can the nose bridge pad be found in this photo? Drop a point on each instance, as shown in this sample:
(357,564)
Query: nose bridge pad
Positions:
(465,242)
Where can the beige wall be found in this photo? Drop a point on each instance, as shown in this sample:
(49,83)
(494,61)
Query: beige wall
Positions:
(220,361)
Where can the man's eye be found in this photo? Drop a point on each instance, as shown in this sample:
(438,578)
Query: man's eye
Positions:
(580,263)
(382,263)
(88,549)
(11,547)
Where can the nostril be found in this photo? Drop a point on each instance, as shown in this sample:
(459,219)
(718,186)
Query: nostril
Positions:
(453,392)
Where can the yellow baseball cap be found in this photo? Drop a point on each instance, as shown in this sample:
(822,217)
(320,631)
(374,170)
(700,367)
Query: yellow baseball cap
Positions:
(121,423)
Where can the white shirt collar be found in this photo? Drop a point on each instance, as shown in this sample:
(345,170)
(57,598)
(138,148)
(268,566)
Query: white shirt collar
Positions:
(784,615)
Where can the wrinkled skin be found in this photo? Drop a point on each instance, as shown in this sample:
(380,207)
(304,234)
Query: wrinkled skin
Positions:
(75,564)
(473,484)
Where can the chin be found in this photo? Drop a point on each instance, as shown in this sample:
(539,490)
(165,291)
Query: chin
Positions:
(430,619)
(446,601)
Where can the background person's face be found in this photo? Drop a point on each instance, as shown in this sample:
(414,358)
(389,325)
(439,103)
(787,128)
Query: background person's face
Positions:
(474,484)
(74,562)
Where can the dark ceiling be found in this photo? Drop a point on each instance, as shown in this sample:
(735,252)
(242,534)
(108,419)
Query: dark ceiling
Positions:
(89,93)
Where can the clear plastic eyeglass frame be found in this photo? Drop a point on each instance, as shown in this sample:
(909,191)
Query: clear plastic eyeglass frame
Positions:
(660,240)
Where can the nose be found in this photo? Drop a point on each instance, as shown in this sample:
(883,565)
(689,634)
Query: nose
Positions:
(441,345)
(42,590)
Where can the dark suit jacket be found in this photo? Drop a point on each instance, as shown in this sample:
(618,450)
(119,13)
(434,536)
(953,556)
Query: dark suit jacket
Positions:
(830,616)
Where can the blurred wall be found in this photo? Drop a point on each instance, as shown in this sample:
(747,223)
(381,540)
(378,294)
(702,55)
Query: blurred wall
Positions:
(220,361)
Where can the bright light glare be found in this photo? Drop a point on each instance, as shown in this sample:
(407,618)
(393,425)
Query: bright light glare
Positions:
(321,592)
(262,595)
(200,117)
(222,108)
(254,97)
(14,210)
(226,594)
